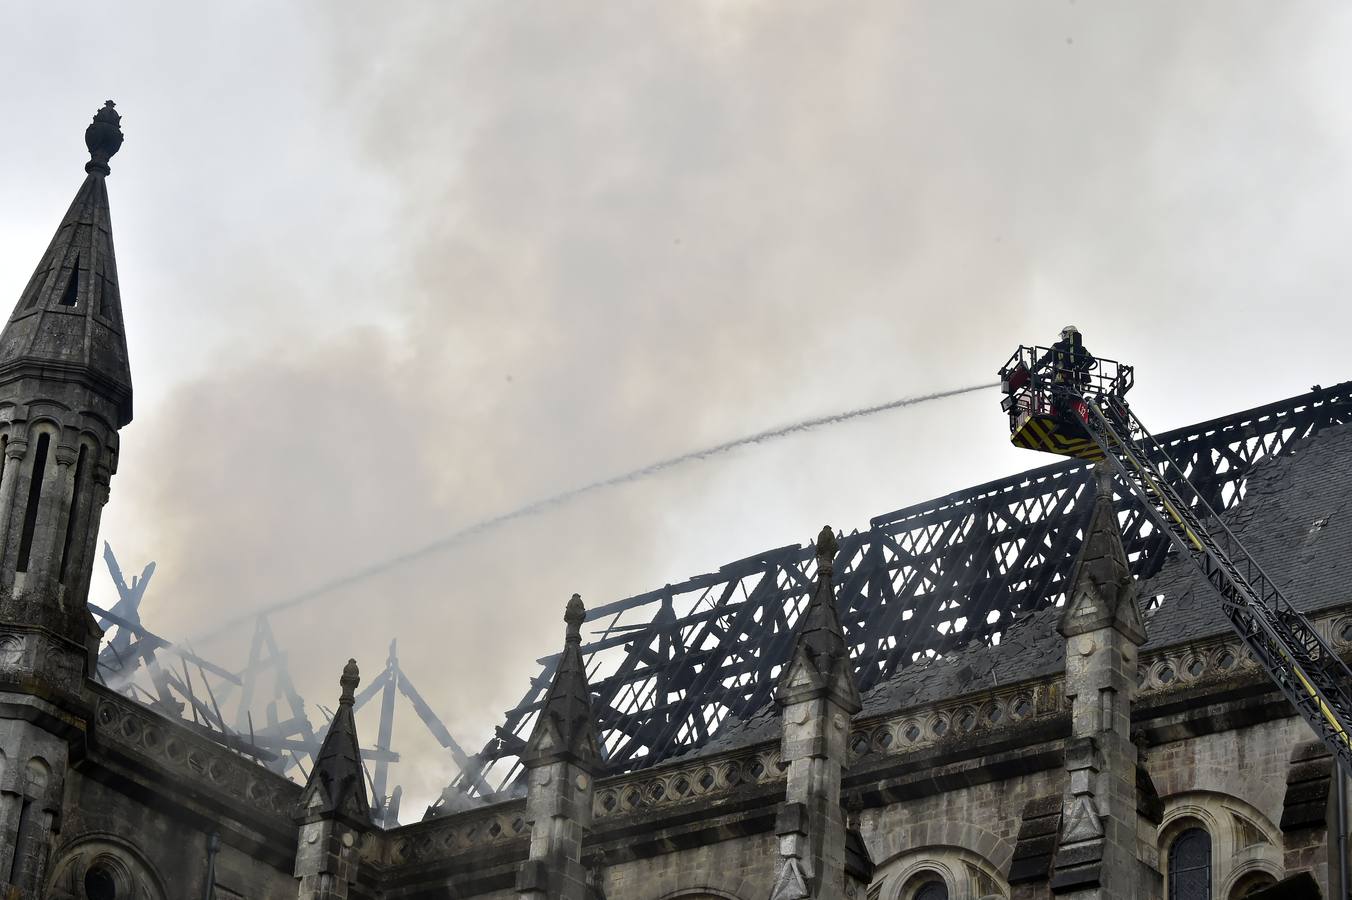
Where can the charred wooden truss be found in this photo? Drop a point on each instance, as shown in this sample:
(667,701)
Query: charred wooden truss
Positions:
(222,703)
(669,666)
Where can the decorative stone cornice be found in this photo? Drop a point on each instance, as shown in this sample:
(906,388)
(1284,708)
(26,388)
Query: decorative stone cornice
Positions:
(205,766)
(472,832)
(699,779)
(1224,656)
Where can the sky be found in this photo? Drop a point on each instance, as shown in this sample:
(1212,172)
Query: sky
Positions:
(391,269)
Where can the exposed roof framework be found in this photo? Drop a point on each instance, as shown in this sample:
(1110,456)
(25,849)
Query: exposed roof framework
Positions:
(668,667)
(254,710)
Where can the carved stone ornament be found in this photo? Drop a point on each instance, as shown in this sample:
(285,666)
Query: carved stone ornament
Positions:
(789,883)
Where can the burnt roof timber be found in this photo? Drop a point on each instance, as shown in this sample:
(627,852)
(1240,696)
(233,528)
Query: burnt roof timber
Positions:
(1000,546)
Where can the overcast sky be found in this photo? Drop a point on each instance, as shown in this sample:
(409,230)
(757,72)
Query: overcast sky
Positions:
(390,268)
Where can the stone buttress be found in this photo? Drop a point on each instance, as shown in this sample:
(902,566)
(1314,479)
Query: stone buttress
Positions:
(818,697)
(333,812)
(1097,855)
(562,761)
(65,390)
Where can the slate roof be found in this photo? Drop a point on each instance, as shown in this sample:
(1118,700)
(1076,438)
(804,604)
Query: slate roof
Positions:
(1295,518)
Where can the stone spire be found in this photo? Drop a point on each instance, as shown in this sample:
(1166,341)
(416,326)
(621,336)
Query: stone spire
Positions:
(333,812)
(65,384)
(68,321)
(336,787)
(566,728)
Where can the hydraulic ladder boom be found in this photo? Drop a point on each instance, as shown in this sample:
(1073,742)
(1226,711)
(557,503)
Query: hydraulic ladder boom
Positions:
(1300,662)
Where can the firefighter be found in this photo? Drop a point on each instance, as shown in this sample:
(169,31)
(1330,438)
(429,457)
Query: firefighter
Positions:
(1071,361)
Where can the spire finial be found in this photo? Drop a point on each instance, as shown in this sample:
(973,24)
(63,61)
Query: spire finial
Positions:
(826,552)
(351,678)
(574,616)
(103,137)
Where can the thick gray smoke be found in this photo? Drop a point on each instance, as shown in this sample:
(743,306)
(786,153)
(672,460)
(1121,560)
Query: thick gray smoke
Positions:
(458,537)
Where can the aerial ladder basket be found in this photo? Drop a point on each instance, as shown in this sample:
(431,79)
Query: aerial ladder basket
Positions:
(1078,408)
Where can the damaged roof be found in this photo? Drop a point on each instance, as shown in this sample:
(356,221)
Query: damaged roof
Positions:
(1295,518)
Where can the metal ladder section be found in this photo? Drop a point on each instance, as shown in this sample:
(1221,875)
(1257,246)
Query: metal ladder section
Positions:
(1301,663)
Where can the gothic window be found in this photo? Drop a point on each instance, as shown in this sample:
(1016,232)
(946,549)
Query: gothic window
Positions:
(933,889)
(30,515)
(1190,866)
(72,294)
(73,514)
(107,868)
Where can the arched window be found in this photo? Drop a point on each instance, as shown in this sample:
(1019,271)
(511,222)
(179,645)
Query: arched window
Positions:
(73,515)
(1190,866)
(933,889)
(30,516)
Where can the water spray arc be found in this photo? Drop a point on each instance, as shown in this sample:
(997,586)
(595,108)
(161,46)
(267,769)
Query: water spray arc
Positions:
(538,506)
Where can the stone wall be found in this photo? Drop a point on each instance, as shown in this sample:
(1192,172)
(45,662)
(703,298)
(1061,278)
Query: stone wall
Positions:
(146,844)
(1234,784)
(741,868)
(144,800)
(964,837)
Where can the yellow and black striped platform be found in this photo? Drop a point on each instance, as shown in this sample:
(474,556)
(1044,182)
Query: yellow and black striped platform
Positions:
(1053,436)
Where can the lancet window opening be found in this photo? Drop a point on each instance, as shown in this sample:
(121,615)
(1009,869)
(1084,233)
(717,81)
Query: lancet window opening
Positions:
(73,522)
(37,476)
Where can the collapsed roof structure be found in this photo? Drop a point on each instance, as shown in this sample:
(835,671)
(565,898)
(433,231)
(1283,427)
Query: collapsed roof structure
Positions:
(670,667)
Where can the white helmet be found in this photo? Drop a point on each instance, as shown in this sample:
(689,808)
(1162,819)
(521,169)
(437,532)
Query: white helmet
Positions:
(1068,332)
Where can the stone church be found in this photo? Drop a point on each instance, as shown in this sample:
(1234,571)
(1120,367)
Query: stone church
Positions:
(1101,748)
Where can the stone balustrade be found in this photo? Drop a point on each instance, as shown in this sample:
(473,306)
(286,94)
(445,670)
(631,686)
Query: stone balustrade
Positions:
(700,778)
